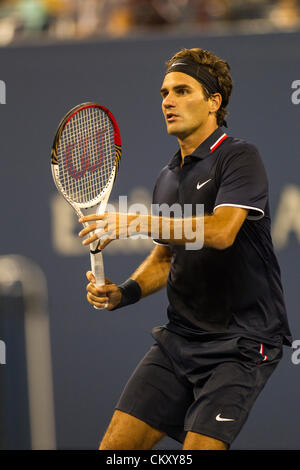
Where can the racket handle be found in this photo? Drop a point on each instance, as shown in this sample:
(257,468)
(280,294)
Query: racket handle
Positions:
(98,270)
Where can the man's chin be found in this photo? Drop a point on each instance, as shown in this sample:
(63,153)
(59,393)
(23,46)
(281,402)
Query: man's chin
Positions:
(176,133)
(173,130)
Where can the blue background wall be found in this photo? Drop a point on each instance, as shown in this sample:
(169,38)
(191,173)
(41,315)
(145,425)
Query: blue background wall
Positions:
(93,353)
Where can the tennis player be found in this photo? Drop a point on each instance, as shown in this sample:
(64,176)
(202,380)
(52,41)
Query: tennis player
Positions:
(227,321)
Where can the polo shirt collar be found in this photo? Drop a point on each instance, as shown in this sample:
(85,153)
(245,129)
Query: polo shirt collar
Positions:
(207,147)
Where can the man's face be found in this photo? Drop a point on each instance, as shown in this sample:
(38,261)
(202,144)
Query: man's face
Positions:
(184,105)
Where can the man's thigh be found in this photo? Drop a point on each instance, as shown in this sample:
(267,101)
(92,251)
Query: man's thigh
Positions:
(125,432)
(195,441)
(156,396)
(222,404)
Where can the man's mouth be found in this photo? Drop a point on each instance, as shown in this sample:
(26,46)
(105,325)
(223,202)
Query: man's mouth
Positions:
(171,117)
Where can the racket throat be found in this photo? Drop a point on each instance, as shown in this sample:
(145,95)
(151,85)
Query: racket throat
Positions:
(97,250)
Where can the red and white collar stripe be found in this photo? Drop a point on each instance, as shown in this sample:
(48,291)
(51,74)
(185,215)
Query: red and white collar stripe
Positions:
(218,142)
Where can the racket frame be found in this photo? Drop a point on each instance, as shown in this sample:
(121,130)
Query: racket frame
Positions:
(101,199)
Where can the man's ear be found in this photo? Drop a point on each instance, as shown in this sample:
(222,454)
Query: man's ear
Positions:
(215,101)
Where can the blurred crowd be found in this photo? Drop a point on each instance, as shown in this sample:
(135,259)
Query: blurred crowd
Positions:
(78,19)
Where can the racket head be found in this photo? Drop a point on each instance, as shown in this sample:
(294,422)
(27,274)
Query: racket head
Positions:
(86,154)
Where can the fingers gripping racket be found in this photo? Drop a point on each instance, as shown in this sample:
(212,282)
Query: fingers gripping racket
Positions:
(85,160)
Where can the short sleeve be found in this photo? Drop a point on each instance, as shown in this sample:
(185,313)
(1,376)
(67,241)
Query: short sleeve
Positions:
(243,182)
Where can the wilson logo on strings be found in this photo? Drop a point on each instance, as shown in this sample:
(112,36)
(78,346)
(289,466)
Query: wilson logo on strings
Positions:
(97,140)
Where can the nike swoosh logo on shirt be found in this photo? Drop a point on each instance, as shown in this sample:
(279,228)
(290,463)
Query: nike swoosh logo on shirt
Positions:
(218,418)
(200,185)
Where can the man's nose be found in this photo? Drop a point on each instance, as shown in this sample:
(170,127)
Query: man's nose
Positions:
(169,101)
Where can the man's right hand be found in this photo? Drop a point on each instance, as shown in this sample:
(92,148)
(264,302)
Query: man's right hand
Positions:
(107,296)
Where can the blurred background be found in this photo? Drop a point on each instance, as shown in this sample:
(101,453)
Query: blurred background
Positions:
(46,20)
(63,364)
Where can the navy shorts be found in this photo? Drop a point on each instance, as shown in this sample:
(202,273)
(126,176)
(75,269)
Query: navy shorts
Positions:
(185,384)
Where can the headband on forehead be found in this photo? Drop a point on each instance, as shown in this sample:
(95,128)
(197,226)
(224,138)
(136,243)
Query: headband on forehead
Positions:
(200,73)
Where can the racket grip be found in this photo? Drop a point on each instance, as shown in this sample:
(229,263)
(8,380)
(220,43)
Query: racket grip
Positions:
(97,270)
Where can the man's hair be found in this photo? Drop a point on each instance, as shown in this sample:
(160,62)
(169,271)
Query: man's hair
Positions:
(217,67)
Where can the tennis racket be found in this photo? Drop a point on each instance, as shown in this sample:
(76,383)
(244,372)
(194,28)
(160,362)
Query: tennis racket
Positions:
(85,160)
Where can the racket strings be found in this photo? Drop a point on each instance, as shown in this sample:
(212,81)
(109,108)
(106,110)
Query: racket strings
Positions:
(86,154)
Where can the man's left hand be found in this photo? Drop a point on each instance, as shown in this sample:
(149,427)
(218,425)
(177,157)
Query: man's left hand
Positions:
(111,226)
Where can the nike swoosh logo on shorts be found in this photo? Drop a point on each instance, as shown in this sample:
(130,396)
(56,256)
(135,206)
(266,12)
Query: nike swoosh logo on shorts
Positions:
(218,418)
(200,185)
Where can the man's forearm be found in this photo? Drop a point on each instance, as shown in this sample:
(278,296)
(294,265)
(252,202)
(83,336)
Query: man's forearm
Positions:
(215,231)
(152,274)
(188,230)
(207,230)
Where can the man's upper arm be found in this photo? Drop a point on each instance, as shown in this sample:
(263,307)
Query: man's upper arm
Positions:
(243,182)
(162,253)
(230,219)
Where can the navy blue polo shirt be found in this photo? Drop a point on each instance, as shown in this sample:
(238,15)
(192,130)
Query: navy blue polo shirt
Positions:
(236,291)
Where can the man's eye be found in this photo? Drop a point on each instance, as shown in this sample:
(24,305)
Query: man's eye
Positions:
(182,91)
